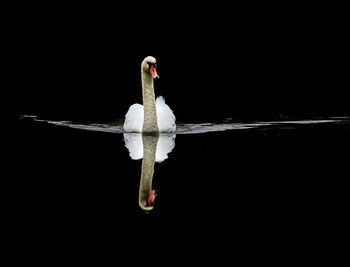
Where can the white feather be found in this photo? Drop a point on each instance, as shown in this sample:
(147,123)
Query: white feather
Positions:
(165,116)
(134,119)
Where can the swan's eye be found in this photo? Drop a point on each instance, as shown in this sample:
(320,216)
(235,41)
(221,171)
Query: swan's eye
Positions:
(152,65)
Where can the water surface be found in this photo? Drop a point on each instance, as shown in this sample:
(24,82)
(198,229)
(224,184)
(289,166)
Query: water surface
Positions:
(253,169)
(185,128)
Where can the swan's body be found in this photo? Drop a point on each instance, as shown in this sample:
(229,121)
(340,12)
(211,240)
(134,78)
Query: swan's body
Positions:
(165,118)
(154,116)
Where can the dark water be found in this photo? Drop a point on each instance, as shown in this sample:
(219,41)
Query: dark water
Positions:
(282,172)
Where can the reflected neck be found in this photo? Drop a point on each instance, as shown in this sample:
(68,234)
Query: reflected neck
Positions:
(149,105)
(147,169)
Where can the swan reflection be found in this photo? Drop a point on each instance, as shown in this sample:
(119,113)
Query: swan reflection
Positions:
(150,149)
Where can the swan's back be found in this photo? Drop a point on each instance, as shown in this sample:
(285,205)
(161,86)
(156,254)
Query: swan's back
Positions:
(165,118)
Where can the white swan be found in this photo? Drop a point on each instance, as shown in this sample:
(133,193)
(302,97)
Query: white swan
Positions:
(154,116)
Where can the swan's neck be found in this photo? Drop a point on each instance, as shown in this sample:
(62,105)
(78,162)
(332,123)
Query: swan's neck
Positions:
(149,105)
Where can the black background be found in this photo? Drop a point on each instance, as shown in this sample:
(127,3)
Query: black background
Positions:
(248,62)
(245,63)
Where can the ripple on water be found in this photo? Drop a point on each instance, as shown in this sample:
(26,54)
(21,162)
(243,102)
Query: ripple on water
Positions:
(190,128)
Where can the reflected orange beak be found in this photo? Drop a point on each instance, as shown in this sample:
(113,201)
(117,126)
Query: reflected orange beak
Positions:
(151,197)
(153,72)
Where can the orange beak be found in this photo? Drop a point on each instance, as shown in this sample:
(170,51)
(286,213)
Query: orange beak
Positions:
(153,72)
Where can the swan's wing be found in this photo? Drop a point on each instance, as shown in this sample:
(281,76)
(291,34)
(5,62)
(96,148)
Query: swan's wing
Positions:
(165,116)
(134,119)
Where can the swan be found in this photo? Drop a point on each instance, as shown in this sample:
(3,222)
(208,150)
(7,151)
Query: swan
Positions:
(154,116)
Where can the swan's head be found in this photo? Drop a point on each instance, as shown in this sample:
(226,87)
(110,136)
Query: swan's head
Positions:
(149,66)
